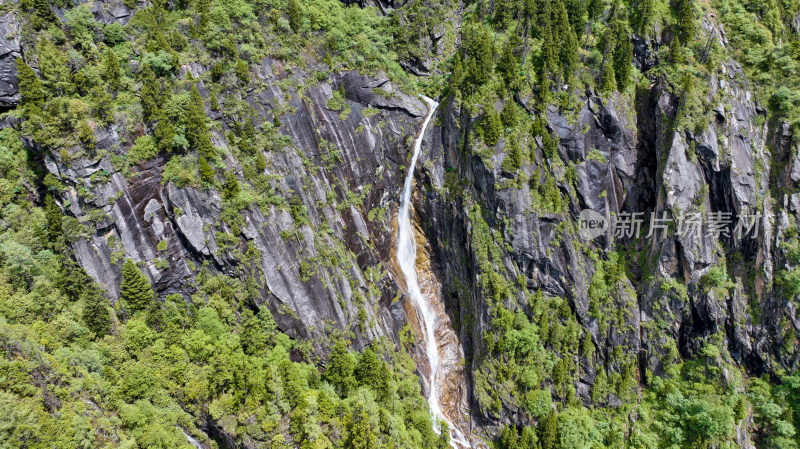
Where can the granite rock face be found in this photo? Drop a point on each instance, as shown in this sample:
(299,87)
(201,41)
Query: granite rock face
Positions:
(9,52)
(340,173)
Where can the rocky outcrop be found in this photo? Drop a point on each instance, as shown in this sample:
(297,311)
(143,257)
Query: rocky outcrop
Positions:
(319,245)
(9,52)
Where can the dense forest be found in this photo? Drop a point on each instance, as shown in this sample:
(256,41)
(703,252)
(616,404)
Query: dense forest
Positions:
(198,205)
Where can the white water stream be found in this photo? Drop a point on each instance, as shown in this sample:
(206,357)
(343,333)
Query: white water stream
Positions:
(406,258)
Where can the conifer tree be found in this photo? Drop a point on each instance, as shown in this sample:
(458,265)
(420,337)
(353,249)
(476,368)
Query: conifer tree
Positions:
(295,14)
(513,160)
(44,14)
(508,115)
(549,431)
(53,214)
(608,81)
(164,134)
(684,15)
(150,94)
(196,130)
(230,189)
(623,56)
(339,370)
(508,66)
(111,70)
(206,172)
(135,290)
(595,8)
(358,434)
(30,87)
(568,49)
(481,55)
(492,127)
(95,312)
(642,17)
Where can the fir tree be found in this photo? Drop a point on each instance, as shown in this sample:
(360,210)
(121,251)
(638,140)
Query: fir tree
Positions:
(568,49)
(643,17)
(53,214)
(243,71)
(339,370)
(295,14)
(30,87)
(196,130)
(684,15)
(372,371)
(608,81)
(135,290)
(623,55)
(111,70)
(549,431)
(595,8)
(44,14)
(164,135)
(508,65)
(150,94)
(508,116)
(358,434)
(481,55)
(513,160)
(206,172)
(95,312)
(492,126)
(230,189)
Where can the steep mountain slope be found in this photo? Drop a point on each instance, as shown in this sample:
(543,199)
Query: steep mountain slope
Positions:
(197,238)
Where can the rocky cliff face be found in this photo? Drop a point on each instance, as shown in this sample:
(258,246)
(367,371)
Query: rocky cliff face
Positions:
(651,163)
(316,258)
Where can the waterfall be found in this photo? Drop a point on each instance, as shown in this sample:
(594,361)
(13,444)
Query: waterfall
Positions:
(406,258)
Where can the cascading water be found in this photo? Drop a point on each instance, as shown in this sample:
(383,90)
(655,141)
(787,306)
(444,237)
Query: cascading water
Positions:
(406,258)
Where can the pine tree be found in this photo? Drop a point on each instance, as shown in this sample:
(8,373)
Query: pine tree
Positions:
(595,8)
(53,214)
(95,312)
(568,50)
(368,368)
(492,126)
(508,65)
(30,87)
(358,434)
(135,290)
(206,172)
(164,135)
(508,115)
(295,14)
(549,431)
(243,71)
(513,160)
(623,56)
(684,14)
(339,370)
(196,130)
(643,17)
(111,70)
(230,189)
(44,14)
(481,55)
(608,81)
(150,94)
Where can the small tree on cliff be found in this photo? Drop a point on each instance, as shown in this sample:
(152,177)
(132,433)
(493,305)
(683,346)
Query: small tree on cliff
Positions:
(196,130)
(95,312)
(135,290)
(30,87)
